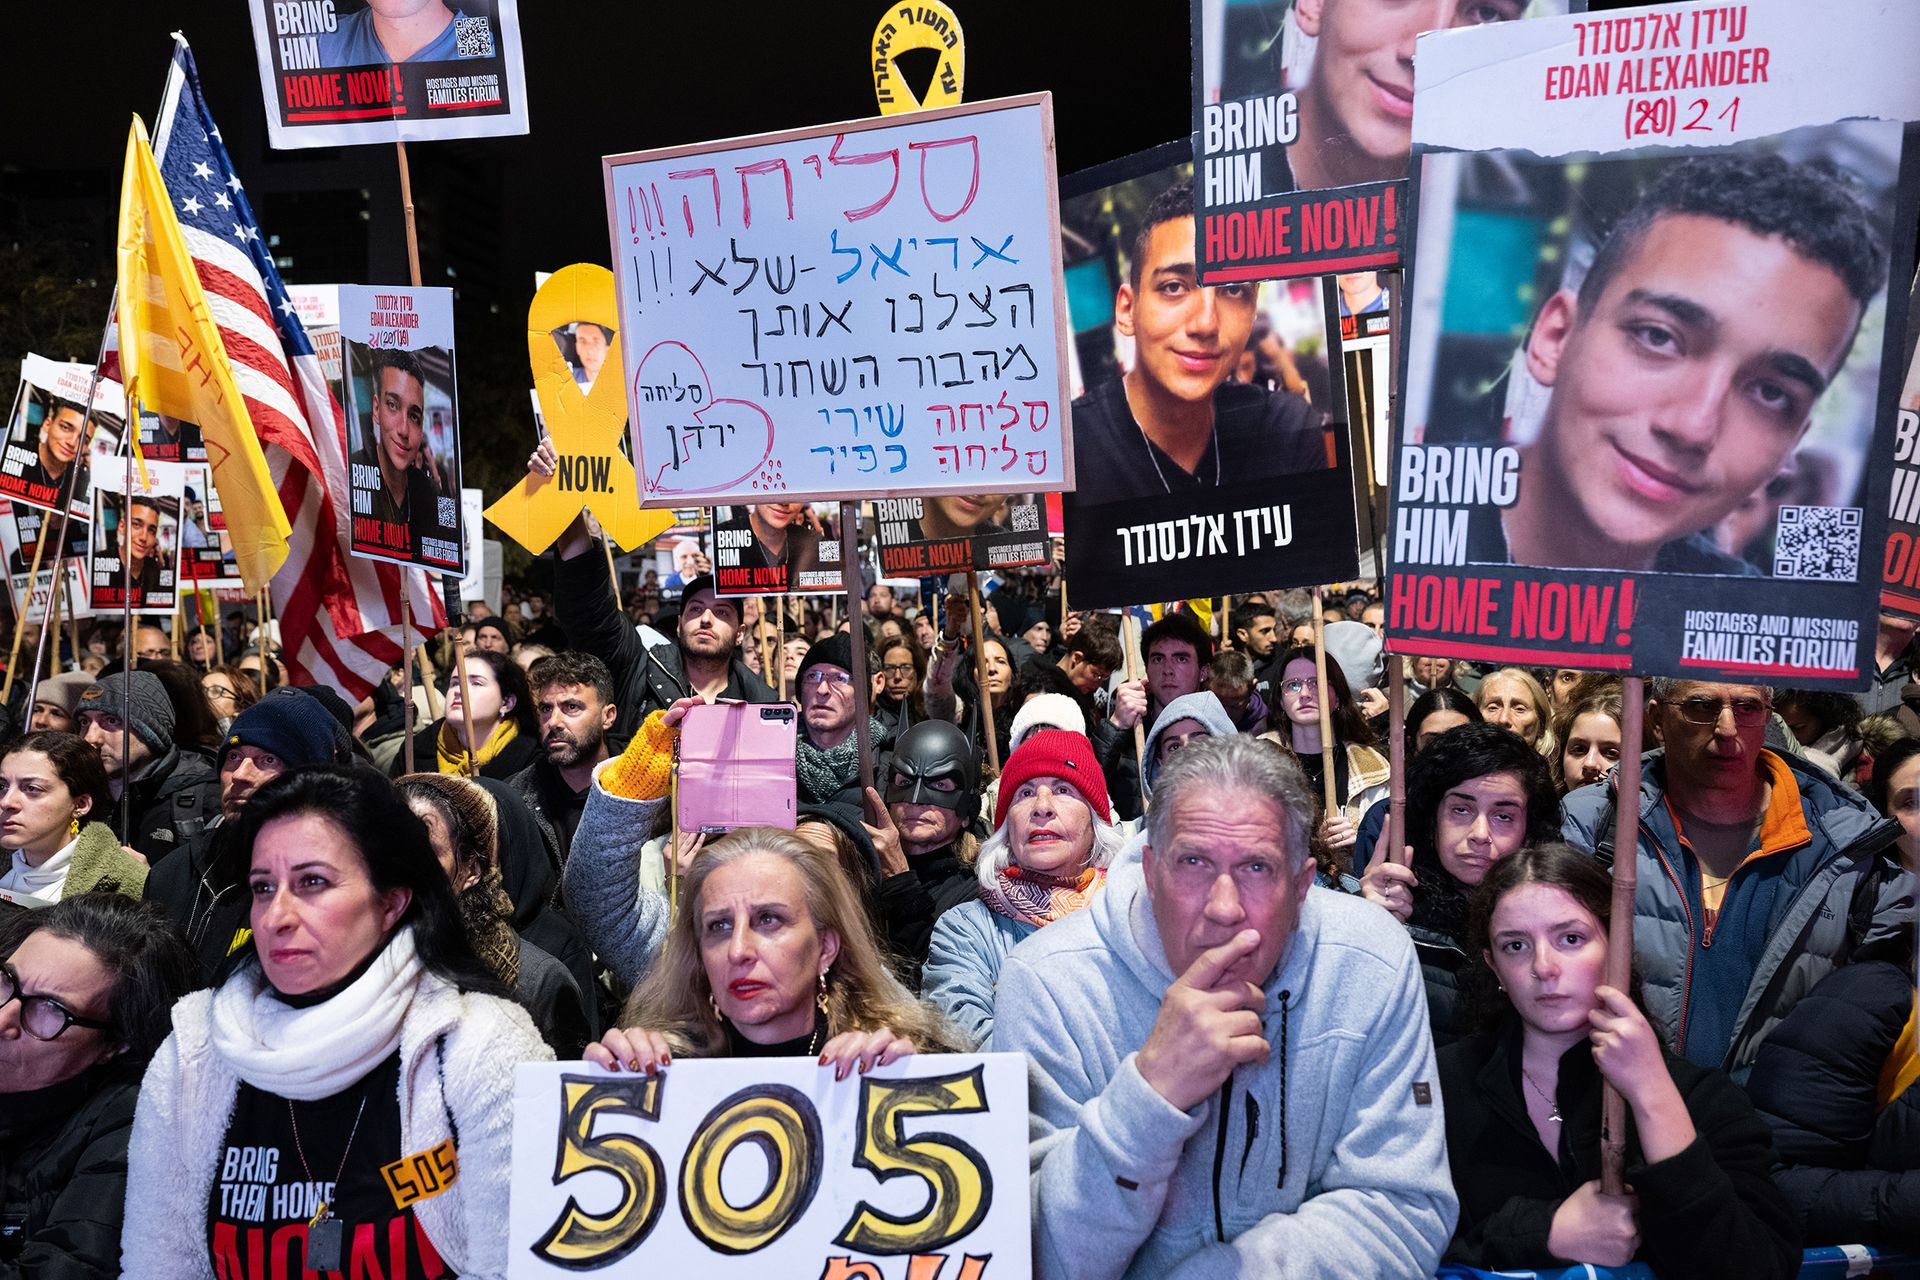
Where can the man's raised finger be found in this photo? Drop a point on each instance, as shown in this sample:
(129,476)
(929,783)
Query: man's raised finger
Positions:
(1211,965)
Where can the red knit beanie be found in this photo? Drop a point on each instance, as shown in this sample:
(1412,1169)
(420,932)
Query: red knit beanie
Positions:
(1054,753)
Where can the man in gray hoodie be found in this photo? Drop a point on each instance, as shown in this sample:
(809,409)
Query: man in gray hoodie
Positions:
(1231,1070)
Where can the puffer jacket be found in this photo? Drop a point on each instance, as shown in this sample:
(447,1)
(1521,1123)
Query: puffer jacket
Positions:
(970,943)
(1835,900)
(1850,1167)
(63,1175)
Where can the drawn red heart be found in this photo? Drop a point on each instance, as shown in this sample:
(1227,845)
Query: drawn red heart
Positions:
(642,407)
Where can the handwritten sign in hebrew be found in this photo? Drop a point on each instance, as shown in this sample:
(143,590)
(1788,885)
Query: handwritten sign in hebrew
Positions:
(859,310)
(770,1167)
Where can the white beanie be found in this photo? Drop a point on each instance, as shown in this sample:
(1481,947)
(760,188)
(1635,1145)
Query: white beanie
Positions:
(1047,711)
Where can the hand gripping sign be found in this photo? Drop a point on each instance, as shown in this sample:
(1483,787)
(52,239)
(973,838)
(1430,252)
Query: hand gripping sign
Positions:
(592,473)
(770,1167)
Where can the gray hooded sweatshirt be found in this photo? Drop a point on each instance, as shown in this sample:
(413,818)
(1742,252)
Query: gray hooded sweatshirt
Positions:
(1202,706)
(1328,1159)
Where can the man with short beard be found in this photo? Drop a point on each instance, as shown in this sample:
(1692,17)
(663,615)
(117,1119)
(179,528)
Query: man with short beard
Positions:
(573,696)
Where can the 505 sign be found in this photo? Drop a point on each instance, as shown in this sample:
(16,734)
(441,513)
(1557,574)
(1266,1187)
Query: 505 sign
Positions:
(771,1167)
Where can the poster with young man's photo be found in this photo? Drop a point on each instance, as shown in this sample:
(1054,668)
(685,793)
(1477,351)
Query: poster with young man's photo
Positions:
(954,533)
(1645,382)
(206,548)
(19,535)
(50,433)
(1211,420)
(1900,567)
(1302,123)
(169,439)
(776,547)
(403,432)
(346,72)
(134,559)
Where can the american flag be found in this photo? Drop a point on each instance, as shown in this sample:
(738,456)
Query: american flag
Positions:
(339,615)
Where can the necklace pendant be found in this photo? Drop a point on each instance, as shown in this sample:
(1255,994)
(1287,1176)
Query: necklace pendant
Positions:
(326,1245)
(1554,1115)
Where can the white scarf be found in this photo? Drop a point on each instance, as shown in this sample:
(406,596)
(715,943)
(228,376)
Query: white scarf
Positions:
(47,881)
(311,1053)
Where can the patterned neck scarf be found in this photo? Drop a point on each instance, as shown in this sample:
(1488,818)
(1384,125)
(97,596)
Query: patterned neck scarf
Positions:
(1035,898)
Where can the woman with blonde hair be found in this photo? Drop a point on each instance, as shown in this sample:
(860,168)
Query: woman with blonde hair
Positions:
(1513,698)
(770,955)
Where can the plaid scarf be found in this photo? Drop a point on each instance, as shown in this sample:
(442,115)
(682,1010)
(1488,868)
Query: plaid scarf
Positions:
(824,774)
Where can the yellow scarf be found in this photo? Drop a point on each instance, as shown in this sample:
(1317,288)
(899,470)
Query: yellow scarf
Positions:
(453,755)
(1902,1068)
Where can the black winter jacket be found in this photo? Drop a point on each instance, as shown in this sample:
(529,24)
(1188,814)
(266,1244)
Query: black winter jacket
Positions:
(63,1175)
(1851,1169)
(644,680)
(206,900)
(173,800)
(1711,1211)
(911,901)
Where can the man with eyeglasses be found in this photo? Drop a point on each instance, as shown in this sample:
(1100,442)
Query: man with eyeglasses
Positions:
(1759,873)
(828,752)
(703,661)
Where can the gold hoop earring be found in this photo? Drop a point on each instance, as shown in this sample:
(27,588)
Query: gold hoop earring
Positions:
(715,1006)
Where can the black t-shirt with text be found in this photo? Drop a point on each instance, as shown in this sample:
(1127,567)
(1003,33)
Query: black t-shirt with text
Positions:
(263,1197)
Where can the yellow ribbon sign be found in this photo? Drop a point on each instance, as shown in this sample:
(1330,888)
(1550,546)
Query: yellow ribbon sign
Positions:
(586,428)
(924,24)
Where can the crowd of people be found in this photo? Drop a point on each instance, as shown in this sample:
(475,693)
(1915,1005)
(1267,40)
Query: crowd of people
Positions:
(255,950)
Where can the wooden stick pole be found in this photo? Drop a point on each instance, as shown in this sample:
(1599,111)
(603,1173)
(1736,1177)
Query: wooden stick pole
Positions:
(613,574)
(1397,758)
(988,730)
(765,638)
(178,620)
(1130,646)
(1226,632)
(466,701)
(1626,870)
(26,610)
(73,621)
(780,650)
(673,834)
(406,645)
(857,634)
(1329,779)
(51,631)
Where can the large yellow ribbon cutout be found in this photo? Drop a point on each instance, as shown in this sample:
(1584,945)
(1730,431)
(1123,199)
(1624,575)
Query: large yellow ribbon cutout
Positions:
(924,24)
(586,427)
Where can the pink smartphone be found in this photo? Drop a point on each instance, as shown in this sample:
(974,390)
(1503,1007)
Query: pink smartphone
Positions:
(736,766)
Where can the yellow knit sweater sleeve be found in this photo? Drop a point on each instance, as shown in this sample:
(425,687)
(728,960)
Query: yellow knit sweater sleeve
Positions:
(644,770)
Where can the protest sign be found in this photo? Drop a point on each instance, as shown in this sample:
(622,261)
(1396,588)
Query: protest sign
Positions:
(857,310)
(772,547)
(1900,566)
(584,417)
(1667,472)
(44,435)
(931,537)
(167,439)
(730,1167)
(1238,478)
(403,425)
(1301,121)
(19,532)
(206,548)
(1366,341)
(134,557)
(341,72)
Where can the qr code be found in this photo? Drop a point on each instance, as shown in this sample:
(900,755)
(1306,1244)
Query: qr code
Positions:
(473,38)
(1818,543)
(1026,517)
(449,512)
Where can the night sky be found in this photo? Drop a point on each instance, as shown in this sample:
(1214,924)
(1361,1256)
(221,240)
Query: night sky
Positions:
(602,77)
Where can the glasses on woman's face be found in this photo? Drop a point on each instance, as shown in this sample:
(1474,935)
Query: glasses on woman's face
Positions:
(1295,687)
(901,669)
(41,1017)
(220,691)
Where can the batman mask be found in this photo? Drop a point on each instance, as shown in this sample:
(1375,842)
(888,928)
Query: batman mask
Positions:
(934,752)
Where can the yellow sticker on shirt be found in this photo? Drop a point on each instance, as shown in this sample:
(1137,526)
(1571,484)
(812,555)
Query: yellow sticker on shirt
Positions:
(924,24)
(421,1176)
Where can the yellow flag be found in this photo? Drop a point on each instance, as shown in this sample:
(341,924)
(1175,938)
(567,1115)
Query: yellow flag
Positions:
(172,361)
